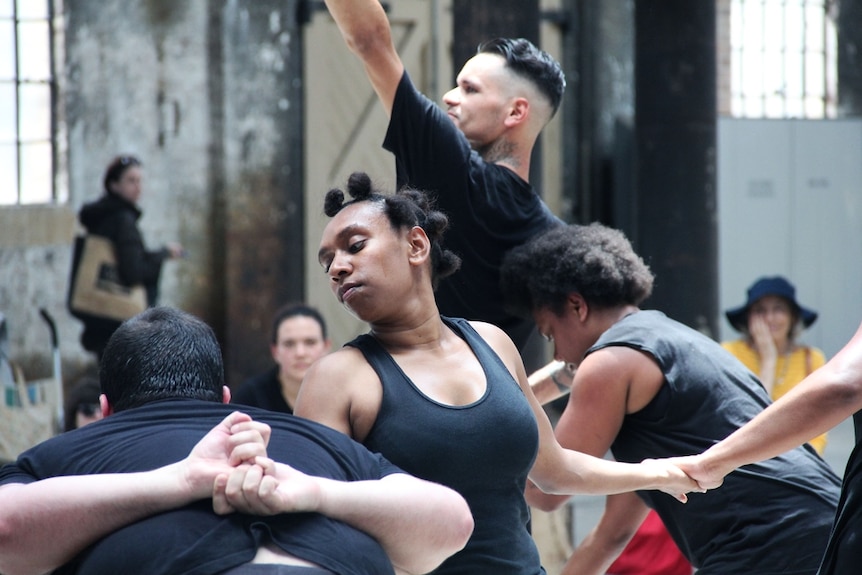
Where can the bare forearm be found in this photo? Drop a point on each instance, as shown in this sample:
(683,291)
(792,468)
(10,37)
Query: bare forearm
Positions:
(788,423)
(419,524)
(600,548)
(359,21)
(367,33)
(551,381)
(821,401)
(767,374)
(45,524)
(582,473)
(592,557)
(544,501)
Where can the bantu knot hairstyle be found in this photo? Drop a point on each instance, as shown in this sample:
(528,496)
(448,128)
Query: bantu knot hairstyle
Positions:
(404,209)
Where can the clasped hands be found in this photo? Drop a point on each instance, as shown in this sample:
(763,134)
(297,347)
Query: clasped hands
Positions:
(230,465)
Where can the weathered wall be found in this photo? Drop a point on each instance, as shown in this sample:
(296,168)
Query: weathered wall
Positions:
(207,93)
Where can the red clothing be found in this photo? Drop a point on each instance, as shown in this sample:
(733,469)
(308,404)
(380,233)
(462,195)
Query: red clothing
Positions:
(651,552)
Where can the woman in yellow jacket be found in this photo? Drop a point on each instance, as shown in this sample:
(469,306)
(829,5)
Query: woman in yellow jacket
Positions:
(770,322)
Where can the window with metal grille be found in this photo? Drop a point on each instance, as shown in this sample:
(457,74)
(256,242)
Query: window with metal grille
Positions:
(783,59)
(27,157)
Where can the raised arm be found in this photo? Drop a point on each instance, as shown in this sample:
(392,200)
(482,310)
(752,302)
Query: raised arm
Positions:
(365,28)
(418,523)
(820,402)
(46,523)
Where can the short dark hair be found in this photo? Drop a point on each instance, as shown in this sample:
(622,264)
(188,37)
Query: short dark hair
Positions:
(531,63)
(117,168)
(161,353)
(290,310)
(404,209)
(594,261)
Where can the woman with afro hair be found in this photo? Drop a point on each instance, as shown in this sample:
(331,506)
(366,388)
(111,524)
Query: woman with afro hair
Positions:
(647,386)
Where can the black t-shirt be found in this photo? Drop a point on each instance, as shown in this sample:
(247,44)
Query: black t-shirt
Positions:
(264,391)
(768,517)
(193,539)
(490,208)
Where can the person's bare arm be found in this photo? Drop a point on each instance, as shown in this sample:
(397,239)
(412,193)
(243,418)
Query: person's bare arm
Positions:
(609,384)
(820,402)
(552,381)
(366,30)
(623,514)
(341,391)
(46,523)
(766,350)
(418,523)
(566,471)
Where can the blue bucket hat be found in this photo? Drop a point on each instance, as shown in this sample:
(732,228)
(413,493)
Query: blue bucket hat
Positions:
(778,286)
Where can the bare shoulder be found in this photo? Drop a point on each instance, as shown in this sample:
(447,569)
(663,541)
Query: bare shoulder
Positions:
(341,390)
(633,374)
(492,334)
(502,345)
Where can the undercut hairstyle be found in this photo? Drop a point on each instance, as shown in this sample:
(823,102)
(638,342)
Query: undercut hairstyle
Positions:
(404,209)
(161,353)
(292,310)
(594,261)
(117,168)
(529,62)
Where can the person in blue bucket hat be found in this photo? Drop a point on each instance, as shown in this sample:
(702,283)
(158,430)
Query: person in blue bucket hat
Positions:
(770,321)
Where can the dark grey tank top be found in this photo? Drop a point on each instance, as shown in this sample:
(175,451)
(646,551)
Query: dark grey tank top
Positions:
(769,517)
(483,450)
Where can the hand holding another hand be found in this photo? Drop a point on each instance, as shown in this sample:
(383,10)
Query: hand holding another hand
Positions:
(672,479)
(694,467)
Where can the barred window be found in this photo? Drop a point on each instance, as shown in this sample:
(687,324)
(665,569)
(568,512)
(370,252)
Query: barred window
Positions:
(783,59)
(26,102)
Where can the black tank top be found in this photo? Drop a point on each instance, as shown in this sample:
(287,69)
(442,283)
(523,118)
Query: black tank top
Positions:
(483,450)
(769,517)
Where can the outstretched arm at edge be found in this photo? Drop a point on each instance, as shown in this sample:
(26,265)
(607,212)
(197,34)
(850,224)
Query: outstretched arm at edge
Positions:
(46,523)
(818,403)
(365,28)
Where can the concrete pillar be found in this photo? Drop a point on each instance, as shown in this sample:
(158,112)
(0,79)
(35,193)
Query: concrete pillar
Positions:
(675,123)
(261,189)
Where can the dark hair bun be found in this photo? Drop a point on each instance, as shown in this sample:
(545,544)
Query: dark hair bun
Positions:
(333,202)
(359,186)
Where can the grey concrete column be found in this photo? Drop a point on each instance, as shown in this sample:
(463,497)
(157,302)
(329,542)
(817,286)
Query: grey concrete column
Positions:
(262,179)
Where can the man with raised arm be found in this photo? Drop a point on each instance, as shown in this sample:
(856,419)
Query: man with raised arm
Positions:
(473,157)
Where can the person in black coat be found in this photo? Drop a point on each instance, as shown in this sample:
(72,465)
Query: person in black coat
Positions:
(115,216)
